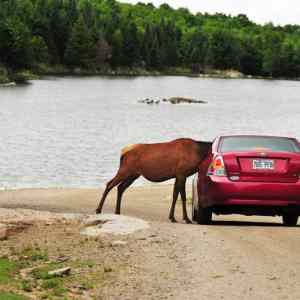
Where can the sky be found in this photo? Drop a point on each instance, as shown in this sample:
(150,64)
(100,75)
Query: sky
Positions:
(280,12)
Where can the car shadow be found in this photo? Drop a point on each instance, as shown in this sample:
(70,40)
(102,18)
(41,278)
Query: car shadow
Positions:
(249,223)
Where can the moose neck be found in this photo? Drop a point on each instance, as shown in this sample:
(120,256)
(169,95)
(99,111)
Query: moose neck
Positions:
(204,148)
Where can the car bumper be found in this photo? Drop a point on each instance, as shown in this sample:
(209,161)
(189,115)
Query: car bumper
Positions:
(222,191)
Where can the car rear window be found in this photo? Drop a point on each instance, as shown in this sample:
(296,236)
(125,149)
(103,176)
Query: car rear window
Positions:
(247,143)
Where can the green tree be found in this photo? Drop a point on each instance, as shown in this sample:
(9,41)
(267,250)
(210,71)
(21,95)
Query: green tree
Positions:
(15,46)
(271,54)
(117,44)
(130,46)
(223,50)
(90,33)
(169,40)
(39,50)
(250,57)
(289,59)
(80,49)
(195,47)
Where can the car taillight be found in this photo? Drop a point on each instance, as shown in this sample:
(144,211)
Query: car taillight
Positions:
(217,167)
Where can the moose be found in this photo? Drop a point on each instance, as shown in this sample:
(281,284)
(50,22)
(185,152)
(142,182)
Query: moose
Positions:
(158,162)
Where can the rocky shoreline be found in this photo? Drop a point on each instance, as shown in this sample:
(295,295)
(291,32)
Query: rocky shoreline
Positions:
(11,78)
(9,84)
(8,79)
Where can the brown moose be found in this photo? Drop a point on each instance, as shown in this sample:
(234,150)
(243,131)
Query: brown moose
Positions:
(177,159)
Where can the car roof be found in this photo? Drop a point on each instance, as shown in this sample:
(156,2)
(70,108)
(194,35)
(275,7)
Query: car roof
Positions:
(256,135)
(220,137)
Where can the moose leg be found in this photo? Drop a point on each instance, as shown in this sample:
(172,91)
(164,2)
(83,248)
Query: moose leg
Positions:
(110,185)
(175,196)
(121,189)
(183,198)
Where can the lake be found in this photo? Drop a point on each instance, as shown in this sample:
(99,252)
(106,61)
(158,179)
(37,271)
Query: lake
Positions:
(68,132)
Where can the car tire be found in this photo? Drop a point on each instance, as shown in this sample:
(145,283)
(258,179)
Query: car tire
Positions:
(290,219)
(204,215)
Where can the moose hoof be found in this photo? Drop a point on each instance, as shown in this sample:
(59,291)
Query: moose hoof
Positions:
(188,221)
(173,220)
(98,211)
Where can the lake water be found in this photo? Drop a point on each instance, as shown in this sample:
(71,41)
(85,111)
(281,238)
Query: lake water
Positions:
(68,132)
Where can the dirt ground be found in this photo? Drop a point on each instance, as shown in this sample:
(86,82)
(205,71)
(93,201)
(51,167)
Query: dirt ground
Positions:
(235,258)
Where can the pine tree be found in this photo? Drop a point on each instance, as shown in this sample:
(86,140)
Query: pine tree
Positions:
(131,45)
(81,46)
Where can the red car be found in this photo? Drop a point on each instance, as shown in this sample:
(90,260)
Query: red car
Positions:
(249,175)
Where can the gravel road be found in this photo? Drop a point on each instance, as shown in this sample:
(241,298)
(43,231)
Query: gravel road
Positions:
(235,258)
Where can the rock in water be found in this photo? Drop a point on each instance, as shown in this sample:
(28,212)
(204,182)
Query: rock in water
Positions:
(178,100)
(148,101)
(172,100)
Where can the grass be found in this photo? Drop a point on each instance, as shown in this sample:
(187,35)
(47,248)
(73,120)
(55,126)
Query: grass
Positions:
(39,277)
(11,296)
(27,285)
(35,254)
(42,272)
(37,280)
(56,285)
(53,287)
(7,269)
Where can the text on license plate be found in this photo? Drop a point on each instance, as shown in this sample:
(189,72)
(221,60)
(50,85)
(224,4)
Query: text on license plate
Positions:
(263,164)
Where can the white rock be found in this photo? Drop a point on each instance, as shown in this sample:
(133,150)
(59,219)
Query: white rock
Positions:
(113,224)
(118,243)
(95,225)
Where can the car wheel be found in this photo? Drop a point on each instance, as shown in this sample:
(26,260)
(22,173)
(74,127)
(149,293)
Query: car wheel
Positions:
(290,219)
(204,215)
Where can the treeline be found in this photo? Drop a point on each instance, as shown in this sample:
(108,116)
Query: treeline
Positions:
(97,34)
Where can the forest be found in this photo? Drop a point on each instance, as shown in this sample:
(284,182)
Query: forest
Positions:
(99,35)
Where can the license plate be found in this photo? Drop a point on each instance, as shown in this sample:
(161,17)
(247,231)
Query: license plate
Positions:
(263,164)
